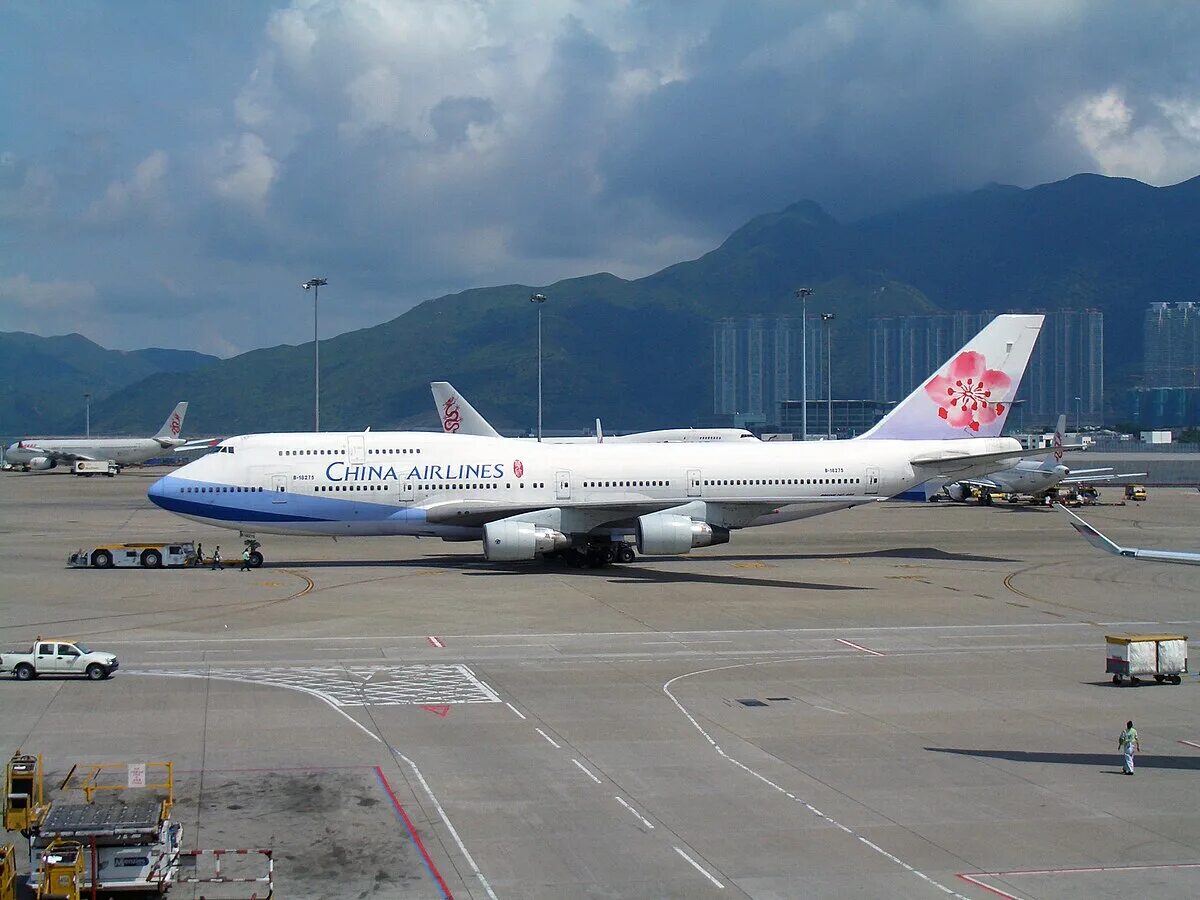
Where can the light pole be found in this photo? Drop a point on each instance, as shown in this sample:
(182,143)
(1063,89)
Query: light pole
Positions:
(802,294)
(539,299)
(828,318)
(87,406)
(1078,404)
(316,284)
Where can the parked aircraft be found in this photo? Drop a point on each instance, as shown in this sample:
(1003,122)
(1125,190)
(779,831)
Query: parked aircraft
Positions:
(1033,477)
(587,502)
(48,453)
(458,416)
(1096,539)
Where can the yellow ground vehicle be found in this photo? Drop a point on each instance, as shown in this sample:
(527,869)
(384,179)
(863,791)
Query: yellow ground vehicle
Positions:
(1135,492)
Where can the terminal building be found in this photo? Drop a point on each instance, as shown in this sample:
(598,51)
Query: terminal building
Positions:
(1065,374)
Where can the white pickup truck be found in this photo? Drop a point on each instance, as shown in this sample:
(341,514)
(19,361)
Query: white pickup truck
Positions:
(56,656)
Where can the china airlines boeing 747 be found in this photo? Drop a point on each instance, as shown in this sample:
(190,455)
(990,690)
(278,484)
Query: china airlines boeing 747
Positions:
(594,503)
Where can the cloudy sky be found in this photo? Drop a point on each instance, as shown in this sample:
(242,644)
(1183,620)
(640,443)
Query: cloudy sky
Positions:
(171,172)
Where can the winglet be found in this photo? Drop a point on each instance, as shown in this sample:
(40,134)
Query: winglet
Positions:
(173,427)
(599,432)
(971,394)
(1094,537)
(456,414)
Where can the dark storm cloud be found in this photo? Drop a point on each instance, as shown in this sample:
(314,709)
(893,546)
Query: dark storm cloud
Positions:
(205,160)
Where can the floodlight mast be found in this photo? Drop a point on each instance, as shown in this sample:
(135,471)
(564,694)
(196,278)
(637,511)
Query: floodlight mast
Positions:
(316,284)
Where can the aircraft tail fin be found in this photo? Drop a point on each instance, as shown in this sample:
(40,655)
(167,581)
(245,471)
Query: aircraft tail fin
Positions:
(970,395)
(456,414)
(599,432)
(173,427)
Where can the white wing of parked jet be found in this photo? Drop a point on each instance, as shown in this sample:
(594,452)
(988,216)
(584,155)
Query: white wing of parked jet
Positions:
(1099,541)
(1085,478)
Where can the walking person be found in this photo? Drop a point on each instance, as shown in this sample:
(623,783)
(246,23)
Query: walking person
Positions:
(1128,742)
(216,559)
(245,559)
(199,560)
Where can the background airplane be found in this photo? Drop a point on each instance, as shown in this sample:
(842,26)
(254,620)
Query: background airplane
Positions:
(458,416)
(41,454)
(1033,477)
(1096,539)
(581,501)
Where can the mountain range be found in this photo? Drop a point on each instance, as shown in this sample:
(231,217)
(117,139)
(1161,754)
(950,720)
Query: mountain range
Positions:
(638,352)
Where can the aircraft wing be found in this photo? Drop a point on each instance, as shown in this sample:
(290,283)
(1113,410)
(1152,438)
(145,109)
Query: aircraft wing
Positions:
(1089,479)
(980,482)
(956,463)
(1099,541)
(193,446)
(68,457)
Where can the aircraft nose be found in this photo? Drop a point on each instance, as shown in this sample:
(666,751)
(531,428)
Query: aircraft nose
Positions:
(158,491)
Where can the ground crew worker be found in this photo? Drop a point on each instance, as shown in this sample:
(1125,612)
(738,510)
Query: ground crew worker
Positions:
(1128,742)
(217,558)
(245,559)
(199,560)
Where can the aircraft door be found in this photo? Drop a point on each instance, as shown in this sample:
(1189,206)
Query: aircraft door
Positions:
(562,486)
(356,455)
(405,492)
(279,488)
(871,481)
(694,484)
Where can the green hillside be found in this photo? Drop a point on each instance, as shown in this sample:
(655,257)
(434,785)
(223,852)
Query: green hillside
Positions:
(639,354)
(43,380)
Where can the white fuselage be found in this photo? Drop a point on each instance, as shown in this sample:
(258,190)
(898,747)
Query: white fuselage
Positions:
(122,451)
(418,483)
(1029,476)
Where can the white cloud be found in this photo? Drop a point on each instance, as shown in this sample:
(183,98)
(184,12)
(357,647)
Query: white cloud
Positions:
(140,195)
(249,171)
(1159,144)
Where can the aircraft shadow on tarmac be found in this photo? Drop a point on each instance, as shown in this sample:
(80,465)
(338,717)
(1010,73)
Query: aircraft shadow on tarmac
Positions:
(1092,760)
(931,553)
(634,573)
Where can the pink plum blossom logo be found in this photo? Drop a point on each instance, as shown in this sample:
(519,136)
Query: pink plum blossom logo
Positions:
(964,395)
(518,468)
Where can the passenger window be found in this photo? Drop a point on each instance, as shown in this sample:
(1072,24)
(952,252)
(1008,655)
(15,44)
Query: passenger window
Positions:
(45,649)
(67,650)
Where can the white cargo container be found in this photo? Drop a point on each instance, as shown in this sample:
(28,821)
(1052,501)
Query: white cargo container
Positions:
(90,467)
(1133,656)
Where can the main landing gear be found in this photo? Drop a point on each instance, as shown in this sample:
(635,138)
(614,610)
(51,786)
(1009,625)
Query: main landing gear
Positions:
(595,555)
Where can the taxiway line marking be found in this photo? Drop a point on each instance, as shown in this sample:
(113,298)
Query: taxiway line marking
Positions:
(594,634)
(859,647)
(412,833)
(642,818)
(553,743)
(585,770)
(987,887)
(975,878)
(699,868)
(1191,744)
(767,781)
(436,642)
(462,847)
(514,709)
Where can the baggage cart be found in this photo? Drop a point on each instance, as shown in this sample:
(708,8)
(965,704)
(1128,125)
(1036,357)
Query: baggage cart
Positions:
(1134,656)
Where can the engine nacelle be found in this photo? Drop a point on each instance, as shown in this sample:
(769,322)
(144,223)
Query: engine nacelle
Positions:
(662,534)
(508,541)
(42,463)
(958,492)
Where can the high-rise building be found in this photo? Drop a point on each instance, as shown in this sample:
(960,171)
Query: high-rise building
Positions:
(1065,373)
(1171,345)
(757,364)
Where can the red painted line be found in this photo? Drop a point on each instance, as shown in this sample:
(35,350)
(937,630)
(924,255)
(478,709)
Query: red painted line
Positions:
(859,647)
(436,642)
(987,887)
(1191,744)
(412,831)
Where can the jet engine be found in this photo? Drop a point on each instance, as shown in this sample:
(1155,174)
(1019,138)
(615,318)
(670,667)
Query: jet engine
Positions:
(42,463)
(958,492)
(508,541)
(662,534)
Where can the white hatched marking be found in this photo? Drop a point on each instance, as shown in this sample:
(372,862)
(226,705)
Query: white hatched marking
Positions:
(368,685)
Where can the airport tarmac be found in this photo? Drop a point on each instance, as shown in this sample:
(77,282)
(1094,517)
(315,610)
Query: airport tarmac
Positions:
(907,700)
